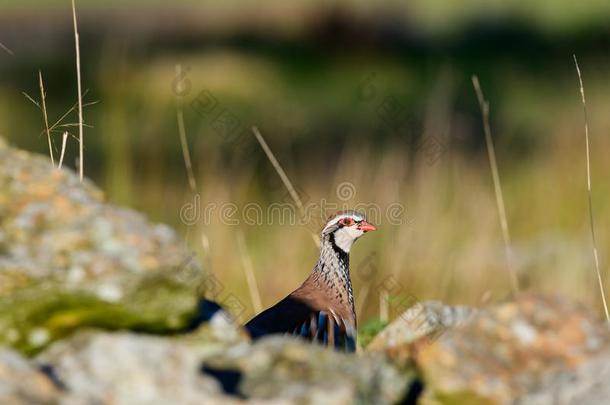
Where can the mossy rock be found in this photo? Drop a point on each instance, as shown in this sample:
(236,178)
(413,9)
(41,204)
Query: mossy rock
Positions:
(42,313)
(70,260)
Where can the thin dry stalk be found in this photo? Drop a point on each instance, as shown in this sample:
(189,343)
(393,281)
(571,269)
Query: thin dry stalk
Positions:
(249,270)
(45,116)
(6,49)
(384,306)
(59,124)
(36,103)
(63,149)
(182,131)
(287,183)
(484,105)
(590,193)
(81,163)
(205,252)
(362,298)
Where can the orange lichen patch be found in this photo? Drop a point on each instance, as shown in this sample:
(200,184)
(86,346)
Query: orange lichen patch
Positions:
(57,176)
(149,262)
(23,176)
(61,203)
(42,190)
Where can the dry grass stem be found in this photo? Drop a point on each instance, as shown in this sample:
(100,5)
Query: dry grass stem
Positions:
(384,306)
(36,103)
(64,140)
(58,123)
(249,270)
(45,116)
(287,183)
(484,105)
(363,296)
(590,193)
(182,131)
(205,252)
(6,49)
(81,163)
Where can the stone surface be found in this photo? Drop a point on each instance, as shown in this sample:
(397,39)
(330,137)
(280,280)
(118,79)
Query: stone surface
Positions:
(68,259)
(124,368)
(21,382)
(287,369)
(517,352)
(421,324)
(587,384)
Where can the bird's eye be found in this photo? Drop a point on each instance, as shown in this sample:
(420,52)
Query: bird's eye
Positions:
(347,221)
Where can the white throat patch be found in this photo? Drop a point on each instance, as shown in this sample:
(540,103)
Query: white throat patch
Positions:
(345,237)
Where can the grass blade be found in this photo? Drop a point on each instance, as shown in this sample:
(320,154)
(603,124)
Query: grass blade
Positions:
(287,183)
(63,149)
(81,163)
(246,261)
(590,193)
(182,132)
(45,116)
(6,49)
(484,105)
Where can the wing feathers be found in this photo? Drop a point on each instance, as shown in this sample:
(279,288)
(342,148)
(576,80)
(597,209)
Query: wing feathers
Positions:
(295,317)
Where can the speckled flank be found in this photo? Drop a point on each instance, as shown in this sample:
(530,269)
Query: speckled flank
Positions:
(332,275)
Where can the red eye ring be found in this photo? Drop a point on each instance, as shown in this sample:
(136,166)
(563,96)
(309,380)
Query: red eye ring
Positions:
(347,221)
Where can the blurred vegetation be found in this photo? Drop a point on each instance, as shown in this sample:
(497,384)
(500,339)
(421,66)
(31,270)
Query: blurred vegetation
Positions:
(377,94)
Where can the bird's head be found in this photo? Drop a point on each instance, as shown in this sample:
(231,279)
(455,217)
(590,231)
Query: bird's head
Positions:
(345,227)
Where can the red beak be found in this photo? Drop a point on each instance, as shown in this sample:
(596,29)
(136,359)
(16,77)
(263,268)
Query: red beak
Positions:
(366,227)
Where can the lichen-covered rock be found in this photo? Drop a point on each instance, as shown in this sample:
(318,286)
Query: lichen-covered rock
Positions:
(124,368)
(422,323)
(515,352)
(587,384)
(21,382)
(287,369)
(68,259)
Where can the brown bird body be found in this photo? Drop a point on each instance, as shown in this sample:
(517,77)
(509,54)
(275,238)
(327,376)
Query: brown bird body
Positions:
(322,308)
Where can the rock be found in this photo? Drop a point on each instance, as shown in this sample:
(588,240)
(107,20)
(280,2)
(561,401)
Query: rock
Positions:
(287,369)
(69,260)
(124,368)
(22,383)
(422,323)
(128,368)
(527,351)
(587,384)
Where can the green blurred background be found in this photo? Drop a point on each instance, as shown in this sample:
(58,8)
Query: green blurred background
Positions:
(374,93)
